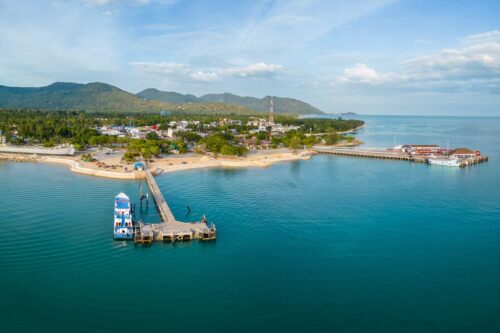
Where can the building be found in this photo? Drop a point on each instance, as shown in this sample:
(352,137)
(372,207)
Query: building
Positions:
(420,149)
(139,166)
(464,153)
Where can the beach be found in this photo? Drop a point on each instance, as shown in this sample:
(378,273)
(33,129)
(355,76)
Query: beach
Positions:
(111,165)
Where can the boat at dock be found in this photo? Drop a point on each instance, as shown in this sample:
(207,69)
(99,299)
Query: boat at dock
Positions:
(123,226)
(445,161)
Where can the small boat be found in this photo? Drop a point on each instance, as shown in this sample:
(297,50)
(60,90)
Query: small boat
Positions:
(445,161)
(123,227)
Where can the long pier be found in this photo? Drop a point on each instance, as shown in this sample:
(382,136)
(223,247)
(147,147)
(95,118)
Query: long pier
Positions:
(387,154)
(392,155)
(170,230)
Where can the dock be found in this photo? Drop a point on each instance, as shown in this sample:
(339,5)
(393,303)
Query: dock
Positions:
(169,230)
(388,155)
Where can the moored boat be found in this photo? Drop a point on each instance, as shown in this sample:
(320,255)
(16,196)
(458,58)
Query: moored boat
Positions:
(445,161)
(123,227)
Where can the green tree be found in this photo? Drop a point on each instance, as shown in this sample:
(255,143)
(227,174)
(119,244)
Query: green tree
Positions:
(295,142)
(331,138)
(152,136)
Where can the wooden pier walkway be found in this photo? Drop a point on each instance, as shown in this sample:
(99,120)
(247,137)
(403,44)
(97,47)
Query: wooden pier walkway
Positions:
(163,208)
(170,229)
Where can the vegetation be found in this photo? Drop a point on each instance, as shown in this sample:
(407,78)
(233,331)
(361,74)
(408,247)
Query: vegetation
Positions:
(281,105)
(205,133)
(101,97)
(320,125)
(222,143)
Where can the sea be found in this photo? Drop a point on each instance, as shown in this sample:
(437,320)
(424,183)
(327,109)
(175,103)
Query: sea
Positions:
(331,244)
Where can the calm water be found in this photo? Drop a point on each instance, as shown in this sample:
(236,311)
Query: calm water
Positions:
(331,244)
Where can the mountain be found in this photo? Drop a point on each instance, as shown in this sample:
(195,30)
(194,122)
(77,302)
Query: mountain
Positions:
(281,105)
(167,96)
(74,96)
(98,96)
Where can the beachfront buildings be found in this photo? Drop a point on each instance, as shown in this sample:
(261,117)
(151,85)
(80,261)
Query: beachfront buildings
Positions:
(419,149)
(264,124)
(464,153)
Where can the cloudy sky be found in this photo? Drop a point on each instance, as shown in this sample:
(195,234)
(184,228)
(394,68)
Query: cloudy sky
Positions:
(371,56)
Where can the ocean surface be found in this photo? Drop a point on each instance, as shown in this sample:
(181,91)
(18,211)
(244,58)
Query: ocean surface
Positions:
(333,244)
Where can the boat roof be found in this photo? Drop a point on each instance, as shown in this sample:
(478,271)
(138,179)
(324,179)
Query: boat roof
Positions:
(122,195)
(122,201)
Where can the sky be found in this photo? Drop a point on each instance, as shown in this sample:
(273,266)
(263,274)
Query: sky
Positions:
(410,57)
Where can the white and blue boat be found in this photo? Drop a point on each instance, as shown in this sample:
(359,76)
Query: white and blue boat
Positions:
(123,227)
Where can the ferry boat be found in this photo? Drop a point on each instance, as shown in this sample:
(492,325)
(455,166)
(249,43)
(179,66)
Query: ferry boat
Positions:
(451,162)
(123,228)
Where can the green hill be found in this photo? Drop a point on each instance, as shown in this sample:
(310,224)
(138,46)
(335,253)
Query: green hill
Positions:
(281,105)
(74,96)
(167,96)
(104,97)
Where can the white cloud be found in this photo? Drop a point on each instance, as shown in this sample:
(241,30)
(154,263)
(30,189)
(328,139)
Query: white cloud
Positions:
(484,37)
(112,12)
(205,76)
(98,2)
(260,69)
(160,68)
(254,70)
(360,73)
(474,66)
(108,2)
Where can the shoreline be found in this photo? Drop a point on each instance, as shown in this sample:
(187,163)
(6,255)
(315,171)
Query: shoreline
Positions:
(260,159)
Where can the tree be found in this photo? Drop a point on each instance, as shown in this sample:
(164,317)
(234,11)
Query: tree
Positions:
(310,141)
(331,139)
(294,143)
(350,139)
(152,136)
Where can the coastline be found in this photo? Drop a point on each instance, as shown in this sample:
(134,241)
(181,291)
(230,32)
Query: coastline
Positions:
(167,164)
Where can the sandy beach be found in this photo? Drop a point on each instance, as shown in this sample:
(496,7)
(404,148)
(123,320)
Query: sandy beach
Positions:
(111,166)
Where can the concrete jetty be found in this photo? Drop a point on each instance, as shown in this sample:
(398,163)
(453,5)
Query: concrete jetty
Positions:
(389,154)
(170,230)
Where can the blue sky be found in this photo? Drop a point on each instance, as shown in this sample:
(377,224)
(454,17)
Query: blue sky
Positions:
(372,56)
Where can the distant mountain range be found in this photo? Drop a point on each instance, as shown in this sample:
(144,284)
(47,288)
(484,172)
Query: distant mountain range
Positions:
(104,97)
(281,105)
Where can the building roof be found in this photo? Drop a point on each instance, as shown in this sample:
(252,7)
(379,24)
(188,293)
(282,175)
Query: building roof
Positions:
(420,146)
(461,151)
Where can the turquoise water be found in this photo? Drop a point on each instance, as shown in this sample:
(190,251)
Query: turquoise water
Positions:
(331,244)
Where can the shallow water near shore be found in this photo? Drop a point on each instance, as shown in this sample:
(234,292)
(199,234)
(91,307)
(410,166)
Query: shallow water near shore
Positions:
(333,244)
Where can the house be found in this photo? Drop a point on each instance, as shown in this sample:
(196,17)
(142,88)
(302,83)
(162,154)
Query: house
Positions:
(464,153)
(420,149)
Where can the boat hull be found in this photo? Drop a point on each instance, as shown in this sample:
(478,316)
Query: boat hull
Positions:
(445,162)
(124,233)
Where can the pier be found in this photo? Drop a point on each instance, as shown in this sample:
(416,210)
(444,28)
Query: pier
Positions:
(389,154)
(169,230)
